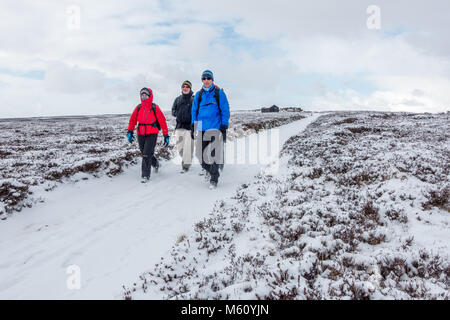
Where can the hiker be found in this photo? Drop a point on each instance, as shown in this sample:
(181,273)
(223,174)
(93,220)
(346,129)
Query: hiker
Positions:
(150,120)
(210,116)
(182,111)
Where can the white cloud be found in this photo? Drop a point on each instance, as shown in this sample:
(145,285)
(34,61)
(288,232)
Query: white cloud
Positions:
(395,95)
(123,46)
(73,80)
(195,41)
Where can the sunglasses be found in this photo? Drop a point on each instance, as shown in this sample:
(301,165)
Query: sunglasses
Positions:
(185,86)
(206,78)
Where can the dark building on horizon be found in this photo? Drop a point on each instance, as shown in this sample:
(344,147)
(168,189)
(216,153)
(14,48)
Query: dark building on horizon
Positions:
(273,108)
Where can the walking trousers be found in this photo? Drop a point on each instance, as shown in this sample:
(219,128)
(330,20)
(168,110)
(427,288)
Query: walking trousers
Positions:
(185,146)
(210,144)
(147,145)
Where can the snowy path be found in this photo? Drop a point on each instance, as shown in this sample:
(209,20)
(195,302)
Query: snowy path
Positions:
(112,228)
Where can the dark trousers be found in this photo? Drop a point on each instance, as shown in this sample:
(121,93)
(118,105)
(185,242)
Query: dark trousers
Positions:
(212,167)
(147,145)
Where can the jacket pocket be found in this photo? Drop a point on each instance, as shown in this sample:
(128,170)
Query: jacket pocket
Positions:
(208,113)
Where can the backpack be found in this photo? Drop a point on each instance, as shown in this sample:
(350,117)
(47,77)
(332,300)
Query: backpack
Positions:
(154,124)
(216,96)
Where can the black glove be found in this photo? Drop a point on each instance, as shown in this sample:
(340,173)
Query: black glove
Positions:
(192,131)
(223,129)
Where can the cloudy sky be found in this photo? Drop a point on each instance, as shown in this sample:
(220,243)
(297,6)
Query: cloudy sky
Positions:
(93,57)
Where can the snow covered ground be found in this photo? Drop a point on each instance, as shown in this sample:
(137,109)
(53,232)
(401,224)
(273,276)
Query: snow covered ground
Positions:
(39,153)
(359,210)
(112,228)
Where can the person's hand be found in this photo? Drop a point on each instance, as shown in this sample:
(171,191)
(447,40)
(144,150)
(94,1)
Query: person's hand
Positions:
(223,129)
(130,136)
(166,140)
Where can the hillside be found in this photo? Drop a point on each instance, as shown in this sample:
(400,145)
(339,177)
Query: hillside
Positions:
(360,210)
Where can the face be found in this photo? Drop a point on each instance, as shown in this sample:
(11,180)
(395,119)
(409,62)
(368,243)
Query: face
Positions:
(144,96)
(185,89)
(207,81)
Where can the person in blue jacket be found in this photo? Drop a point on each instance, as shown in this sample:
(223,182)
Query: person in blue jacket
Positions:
(210,117)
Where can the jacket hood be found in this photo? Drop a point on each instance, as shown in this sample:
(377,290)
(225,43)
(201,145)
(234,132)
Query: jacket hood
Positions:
(149,101)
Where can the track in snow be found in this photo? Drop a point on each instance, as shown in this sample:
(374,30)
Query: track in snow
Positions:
(112,228)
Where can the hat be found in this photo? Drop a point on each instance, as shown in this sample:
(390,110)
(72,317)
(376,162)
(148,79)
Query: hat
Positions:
(187,83)
(146,91)
(208,73)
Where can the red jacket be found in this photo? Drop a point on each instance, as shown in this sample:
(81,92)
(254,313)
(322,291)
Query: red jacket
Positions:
(146,117)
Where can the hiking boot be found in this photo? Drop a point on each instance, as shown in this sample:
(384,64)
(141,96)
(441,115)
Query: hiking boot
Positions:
(212,185)
(184,169)
(202,173)
(145,179)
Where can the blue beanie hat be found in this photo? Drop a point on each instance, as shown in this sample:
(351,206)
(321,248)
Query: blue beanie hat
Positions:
(208,73)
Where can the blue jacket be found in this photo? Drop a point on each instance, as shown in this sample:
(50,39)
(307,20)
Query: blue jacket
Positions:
(209,116)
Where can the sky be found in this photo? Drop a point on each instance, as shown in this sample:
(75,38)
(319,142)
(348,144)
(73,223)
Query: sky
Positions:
(93,57)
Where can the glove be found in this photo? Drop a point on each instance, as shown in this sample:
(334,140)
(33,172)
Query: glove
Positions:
(166,140)
(192,131)
(130,136)
(223,129)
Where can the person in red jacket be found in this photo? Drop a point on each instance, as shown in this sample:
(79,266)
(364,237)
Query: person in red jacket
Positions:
(150,120)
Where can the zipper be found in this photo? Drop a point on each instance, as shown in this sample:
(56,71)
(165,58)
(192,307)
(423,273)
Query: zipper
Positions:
(144,122)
